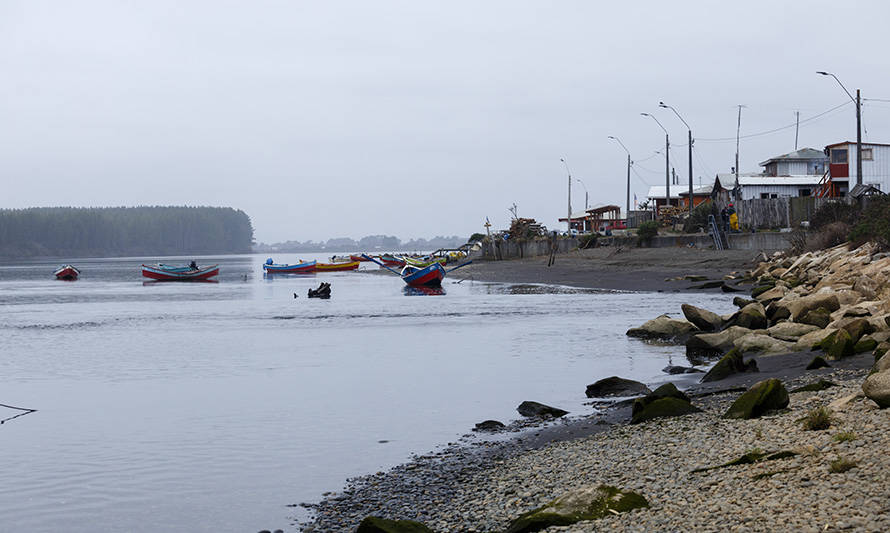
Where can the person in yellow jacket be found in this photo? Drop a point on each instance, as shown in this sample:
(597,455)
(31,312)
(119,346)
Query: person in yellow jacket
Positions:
(733,218)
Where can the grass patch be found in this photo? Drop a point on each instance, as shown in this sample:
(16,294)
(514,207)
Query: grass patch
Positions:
(841,465)
(844,436)
(765,475)
(817,419)
(750,457)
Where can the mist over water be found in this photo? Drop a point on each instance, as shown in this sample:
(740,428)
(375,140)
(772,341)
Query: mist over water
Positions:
(212,406)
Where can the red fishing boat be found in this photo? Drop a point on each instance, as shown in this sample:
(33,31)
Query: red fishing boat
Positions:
(66,273)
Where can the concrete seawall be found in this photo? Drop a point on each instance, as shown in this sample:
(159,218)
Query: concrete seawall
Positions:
(738,241)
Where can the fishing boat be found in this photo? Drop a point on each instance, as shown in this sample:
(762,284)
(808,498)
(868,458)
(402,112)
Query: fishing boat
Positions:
(428,276)
(341,259)
(358,258)
(66,273)
(336,267)
(303,267)
(424,261)
(390,260)
(162,272)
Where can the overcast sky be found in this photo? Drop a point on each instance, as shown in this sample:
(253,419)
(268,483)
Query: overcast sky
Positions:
(348,118)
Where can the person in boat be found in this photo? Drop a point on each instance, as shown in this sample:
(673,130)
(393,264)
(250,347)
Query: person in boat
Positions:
(193,265)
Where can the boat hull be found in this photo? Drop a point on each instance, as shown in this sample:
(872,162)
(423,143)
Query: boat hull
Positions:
(430,276)
(66,273)
(163,273)
(299,268)
(336,267)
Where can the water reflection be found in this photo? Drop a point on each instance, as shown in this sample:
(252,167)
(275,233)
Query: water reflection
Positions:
(423,291)
(150,283)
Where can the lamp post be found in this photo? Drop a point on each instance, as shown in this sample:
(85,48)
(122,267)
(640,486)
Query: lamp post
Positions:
(856,101)
(629,163)
(569,217)
(667,160)
(585,193)
(662,104)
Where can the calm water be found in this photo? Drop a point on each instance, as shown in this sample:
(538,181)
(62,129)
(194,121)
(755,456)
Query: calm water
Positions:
(212,406)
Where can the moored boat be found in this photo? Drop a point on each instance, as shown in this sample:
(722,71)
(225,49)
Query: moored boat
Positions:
(391,260)
(66,273)
(428,276)
(358,258)
(303,267)
(336,267)
(162,272)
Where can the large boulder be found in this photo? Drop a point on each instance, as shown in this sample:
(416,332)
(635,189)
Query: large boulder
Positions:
(662,328)
(803,305)
(665,401)
(857,327)
(819,318)
(740,302)
(838,345)
(729,364)
(812,340)
(760,343)
(589,503)
(374,524)
(867,287)
(539,410)
(776,293)
(752,316)
(702,318)
(790,331)
(877,388)
(615,386)
(865,344)
(714,343)
(677,369)
(764,396)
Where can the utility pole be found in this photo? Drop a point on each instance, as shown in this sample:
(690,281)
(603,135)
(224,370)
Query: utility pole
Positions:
(858,139)
(689,129)
(629,163)
(796,128)
(738,129)
(667,160)
(569,216)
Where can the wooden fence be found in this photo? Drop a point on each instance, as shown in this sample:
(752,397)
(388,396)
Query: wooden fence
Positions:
(772,213)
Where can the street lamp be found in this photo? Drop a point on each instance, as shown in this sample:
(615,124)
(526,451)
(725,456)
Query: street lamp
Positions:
(662,104)
(629,163)
(667,160)
(585,193)
(856,101)
(569,217)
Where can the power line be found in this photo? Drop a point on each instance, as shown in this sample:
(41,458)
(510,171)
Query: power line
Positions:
(775,130)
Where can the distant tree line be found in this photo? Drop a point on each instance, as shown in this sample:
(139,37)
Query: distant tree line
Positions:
(371,243)
(123,231)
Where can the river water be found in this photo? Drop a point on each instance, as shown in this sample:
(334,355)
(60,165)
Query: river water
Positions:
(215,406)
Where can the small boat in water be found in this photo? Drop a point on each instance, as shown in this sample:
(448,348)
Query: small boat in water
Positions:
(66,273)
(162,272)
(336,267)
(390,260)
(428,276)
(303,267)
(358,258)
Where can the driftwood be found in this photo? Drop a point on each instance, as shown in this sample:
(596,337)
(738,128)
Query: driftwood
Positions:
(323,291)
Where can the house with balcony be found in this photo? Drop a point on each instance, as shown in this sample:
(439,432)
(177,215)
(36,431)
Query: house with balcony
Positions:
(798,173)
(841,176)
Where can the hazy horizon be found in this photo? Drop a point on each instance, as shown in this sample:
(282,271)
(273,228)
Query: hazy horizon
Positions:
(412,119)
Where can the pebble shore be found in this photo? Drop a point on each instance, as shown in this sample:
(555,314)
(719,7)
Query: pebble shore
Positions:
(483,487)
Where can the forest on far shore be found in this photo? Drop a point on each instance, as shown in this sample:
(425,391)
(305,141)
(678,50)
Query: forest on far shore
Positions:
(123,231)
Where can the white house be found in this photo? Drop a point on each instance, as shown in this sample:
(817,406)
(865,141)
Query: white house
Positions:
(842,168)
(799,173)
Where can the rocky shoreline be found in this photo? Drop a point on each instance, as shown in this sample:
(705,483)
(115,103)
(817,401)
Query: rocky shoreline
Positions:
(808,460)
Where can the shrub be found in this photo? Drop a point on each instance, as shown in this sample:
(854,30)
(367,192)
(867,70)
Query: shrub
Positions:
(874,224)
(844,436)
(831,212)
(817,419)
(476,237)
(646,232)
(698,218)
(841,465)
(829,236)
(588,240)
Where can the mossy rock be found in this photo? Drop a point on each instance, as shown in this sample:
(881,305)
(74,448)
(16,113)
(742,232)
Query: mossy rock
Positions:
(838,345)
(818,362)
(729,364)
(374,524)
(817,317)
(752,316)
(751,457)
(579,505)
(865,344)
(760,289)
(858,328)
(664,408)
(764,396)
(822,384)
(740,302)
(880,350)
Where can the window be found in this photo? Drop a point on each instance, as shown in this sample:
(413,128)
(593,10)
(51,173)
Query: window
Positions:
(765,195)
(867,154)
(839,156)
(803,192)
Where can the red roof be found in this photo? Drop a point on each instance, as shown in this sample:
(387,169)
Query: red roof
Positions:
(854,142)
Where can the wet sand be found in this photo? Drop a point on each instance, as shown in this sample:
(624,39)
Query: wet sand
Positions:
(634,269)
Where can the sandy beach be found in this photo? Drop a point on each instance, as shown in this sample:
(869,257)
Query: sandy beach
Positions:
(616,268)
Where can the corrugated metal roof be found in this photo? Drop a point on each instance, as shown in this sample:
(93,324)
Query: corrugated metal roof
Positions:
(802,154)
(658,191)
(779,180)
